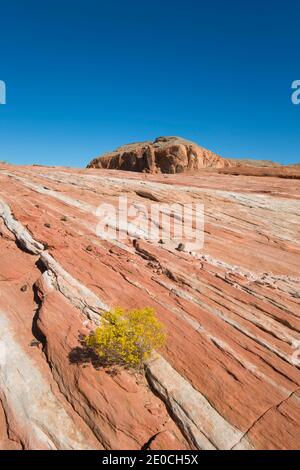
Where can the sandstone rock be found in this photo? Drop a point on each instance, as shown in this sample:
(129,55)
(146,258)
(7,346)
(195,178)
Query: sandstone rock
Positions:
(259,169)
(181,247)
(241,162)
(228,376)
(164,154)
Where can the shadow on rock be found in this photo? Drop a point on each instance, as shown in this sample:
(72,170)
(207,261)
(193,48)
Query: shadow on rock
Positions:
(83,355)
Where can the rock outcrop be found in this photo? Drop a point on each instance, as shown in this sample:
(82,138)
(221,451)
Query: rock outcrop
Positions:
(241,162)
(229,375)
(288,172)
(164,155)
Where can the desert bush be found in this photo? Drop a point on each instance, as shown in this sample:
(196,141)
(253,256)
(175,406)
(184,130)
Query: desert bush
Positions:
(127,338)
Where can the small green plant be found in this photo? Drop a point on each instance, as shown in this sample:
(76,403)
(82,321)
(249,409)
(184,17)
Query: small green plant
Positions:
(127,338)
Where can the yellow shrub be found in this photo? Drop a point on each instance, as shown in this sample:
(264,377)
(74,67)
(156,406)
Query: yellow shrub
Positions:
(127,337)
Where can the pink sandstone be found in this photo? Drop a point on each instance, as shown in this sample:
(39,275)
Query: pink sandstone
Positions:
(227,376)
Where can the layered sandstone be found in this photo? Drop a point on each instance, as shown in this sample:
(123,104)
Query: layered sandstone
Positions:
(241,162)
(163,155)
(288,172)
(229,375)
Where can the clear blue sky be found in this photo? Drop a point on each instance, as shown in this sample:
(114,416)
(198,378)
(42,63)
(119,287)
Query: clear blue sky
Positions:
(84,76)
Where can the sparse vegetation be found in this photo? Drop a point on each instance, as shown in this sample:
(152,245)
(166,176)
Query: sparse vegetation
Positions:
(127,338)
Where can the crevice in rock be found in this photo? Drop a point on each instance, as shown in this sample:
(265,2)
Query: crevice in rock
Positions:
(39,336)
(188,436)
(147,444)
(263,414)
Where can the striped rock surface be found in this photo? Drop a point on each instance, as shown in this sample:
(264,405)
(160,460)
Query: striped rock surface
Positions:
(229,375)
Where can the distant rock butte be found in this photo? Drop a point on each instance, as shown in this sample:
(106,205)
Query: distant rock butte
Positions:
(163,155)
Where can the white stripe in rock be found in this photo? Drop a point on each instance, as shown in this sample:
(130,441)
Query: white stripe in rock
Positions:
(43,422)
(21,234)
(202,424)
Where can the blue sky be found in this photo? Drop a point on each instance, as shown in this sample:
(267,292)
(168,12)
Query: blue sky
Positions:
(84,76)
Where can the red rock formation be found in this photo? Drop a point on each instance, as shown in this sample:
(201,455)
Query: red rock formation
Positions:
(164,155)
(227,378)
(289,172)
(241,162)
